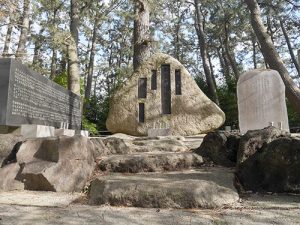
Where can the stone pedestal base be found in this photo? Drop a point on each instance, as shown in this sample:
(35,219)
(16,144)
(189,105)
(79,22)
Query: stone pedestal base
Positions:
(66,132)
(159,132)
(84,133)
(37,131)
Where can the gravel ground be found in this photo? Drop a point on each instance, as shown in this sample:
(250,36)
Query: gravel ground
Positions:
(255,209)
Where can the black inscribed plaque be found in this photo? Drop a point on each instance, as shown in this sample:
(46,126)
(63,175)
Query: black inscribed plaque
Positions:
(166,89)
(154,80)
(141,112)
(177,82)
(29,98)
(142,89)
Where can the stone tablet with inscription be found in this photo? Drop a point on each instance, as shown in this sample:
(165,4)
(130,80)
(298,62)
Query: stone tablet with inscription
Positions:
(261,100)
(29,98)
(162,92)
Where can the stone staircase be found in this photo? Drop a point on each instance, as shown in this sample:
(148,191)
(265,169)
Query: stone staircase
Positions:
(159,172)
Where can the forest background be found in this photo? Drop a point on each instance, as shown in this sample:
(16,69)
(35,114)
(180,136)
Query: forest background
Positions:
(92,47)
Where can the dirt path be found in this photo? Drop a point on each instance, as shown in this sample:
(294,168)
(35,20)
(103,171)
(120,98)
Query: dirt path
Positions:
(56,209)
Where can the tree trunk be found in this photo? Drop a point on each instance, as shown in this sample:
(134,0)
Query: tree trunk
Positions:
(177,44)
(298,53)
(74,22)
(63,62)
(229,54)
(53,64)
(53,46)
(225,69)
(24,31)
(73,78)
(270,54)
(141,39)
(89,80)
(226,61)
(253,39)
(211,69)
(73,72)
(269,27)
(8,36)
(37,61)
(287,39)
(204,54)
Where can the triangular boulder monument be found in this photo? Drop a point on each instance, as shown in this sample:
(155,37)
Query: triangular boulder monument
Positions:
(162,95)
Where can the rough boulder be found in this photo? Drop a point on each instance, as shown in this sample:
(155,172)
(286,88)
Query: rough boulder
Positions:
(188,110)
(62,164)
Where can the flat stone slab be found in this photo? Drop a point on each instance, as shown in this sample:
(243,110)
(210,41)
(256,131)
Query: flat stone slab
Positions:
(159,132)
(38,198)
(203,188)
(150,162)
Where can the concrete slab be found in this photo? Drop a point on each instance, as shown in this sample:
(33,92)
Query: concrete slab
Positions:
(36,131)
(66,132)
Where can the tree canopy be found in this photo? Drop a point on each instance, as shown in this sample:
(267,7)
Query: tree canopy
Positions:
(96,44)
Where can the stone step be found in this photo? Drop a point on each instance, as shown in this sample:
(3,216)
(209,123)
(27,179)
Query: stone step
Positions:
(203,188)
(150,162)
(114,145)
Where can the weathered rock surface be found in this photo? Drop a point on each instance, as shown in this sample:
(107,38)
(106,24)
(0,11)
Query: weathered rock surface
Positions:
(169,144)
(62,164)
(7,143)
(220,147)
(117,145)
(100,147)
(205,188)
(275,168)
(9,176)
(191,112)
(261,100)
(150,162)
(114,145)
(254,140)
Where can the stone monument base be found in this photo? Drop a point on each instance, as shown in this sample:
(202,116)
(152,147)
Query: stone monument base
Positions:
(84,133)
(37,131)
(154,132)
(65,132)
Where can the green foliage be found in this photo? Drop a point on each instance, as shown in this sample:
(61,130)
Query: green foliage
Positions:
(91,127)
(62,79)
(228,103)
(294,117)
(96,112)
(228,100)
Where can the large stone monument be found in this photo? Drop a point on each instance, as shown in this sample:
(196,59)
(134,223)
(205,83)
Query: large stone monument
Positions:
(162,95)
(261,100)
(29,98)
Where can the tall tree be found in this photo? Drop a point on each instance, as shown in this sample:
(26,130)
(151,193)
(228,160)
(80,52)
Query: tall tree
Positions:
(72,45)
(204,55)
(90,71)
(288,42)
(9,31)
(21,51)
(141,33)
(253,40)
(270,54)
